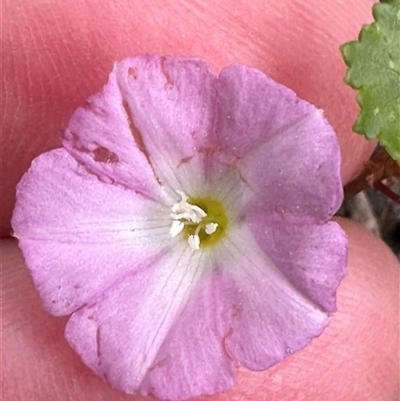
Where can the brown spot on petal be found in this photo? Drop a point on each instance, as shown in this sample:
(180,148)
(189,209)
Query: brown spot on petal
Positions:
(159,364)
(236,311)
(185,160)
(75,141)
(137,135)
(104,155)
(208,151)
(168,78)
(132,73)
(98,342)
(225,346)
(94,108)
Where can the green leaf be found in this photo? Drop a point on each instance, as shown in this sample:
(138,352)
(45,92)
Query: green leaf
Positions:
(374,69)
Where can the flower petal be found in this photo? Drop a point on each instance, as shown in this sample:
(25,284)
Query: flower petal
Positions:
(312,257)
(269,317)
(100,135)
(165,107)
(192,361)
(297,173)
(120,336)
(79,235)
(253,108)
(287,152)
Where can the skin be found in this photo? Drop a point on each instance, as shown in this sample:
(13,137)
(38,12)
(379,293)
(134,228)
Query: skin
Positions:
(354,359)
(56,53)
(59,52)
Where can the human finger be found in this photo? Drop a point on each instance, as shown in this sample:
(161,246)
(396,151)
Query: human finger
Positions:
(57,53)
(354,358)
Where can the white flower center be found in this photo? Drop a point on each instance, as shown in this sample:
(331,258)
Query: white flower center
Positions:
(186,214)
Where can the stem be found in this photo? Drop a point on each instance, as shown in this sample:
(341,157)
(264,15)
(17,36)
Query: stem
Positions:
(379,167)
(380,186)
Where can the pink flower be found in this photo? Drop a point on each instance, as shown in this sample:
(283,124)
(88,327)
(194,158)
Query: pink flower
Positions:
(184,225)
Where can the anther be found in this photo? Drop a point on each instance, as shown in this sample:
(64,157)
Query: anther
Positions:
(211,228)
(185,214)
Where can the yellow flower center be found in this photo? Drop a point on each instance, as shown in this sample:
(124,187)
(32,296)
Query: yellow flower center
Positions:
(202,221)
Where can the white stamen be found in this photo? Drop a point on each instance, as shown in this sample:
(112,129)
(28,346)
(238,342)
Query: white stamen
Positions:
(194,242)
(183,215)
(211,228)
(198,228)
(184,210)
(198,213)
(182,194)
(186,214)
(176,228)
